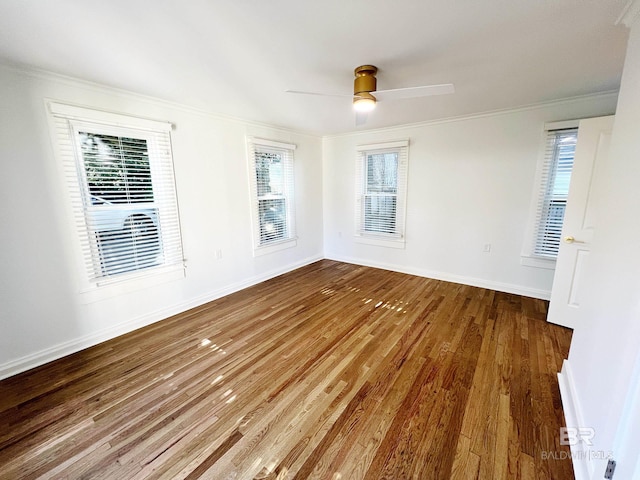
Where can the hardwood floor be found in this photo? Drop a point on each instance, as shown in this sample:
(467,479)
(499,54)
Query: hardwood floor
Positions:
(332,371)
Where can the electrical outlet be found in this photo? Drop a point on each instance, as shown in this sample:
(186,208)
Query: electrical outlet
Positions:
(487,248)
(611,467)
(218,254)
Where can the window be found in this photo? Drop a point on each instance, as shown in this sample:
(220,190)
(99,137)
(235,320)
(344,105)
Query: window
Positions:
(119,174)
(552,192)
(381,183)
(271,172)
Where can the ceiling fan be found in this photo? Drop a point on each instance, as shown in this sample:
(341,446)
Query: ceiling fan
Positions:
(364,86)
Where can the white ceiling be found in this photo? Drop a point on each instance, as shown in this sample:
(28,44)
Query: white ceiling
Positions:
(237,57)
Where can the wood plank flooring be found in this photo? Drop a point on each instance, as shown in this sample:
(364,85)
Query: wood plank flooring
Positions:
(333,371)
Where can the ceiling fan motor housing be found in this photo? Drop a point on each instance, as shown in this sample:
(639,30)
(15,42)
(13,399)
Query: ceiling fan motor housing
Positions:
(365,81)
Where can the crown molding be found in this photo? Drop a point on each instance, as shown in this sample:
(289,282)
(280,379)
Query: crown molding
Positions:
(47,75)
(490,113)
(630,14)
(73,81)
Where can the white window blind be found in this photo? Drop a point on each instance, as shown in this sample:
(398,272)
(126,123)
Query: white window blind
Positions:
(381,182)
(119,174)
(553,191)
(272,191)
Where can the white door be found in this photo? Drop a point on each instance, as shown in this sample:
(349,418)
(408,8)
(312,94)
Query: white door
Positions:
(594,135)
(626,445)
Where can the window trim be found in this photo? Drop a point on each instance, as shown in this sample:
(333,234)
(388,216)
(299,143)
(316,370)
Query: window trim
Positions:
(528,256)
(65,121)
(390,240)
(253,146)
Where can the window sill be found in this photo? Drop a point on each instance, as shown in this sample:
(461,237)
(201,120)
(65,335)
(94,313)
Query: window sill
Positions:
(538,262)
(113,288)
(380,241)
(274,247)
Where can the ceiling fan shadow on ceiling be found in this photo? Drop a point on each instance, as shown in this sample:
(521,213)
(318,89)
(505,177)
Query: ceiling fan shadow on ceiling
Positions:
(364,88)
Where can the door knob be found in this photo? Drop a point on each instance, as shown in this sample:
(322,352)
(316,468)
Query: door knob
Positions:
(570,239)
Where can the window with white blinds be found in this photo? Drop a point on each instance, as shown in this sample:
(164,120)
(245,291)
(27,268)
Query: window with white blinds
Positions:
(553,191)
(272,191)
(119,174)
(381,183)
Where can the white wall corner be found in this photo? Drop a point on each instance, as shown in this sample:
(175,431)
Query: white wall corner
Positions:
(582,467)
(36,359)
(630,14)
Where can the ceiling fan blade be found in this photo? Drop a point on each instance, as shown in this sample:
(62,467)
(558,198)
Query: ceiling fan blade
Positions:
(300,92)
(412,92)
(361,118)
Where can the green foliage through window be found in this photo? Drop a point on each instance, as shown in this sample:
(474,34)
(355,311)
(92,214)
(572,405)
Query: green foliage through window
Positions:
(117,169)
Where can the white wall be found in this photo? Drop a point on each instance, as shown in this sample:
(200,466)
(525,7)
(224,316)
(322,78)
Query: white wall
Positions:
(42,313)
(605,351)
(470,184)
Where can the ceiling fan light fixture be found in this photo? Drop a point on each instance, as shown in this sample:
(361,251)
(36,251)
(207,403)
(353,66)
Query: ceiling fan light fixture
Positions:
(364,102)
(364,84)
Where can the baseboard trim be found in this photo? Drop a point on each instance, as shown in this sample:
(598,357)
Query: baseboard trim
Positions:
(60,350)
(448,277)
(582,467)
